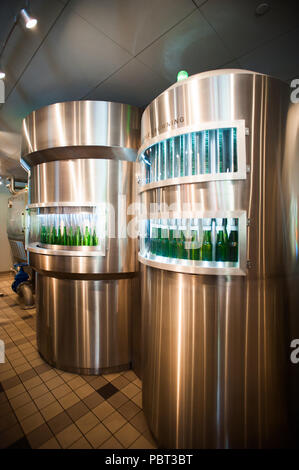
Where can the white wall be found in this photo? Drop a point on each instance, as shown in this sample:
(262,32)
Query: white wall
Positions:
(5,254)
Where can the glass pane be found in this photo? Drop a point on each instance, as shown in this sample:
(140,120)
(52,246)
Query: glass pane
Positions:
(193,239)
(69,226)
(204,152)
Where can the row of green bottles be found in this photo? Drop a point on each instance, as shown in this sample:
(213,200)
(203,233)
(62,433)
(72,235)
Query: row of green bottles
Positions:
(177,241)
(191,154)
(49,235)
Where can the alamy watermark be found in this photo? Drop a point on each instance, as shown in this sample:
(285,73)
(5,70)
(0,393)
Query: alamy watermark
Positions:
(295,93)
(294,357)
(2,352)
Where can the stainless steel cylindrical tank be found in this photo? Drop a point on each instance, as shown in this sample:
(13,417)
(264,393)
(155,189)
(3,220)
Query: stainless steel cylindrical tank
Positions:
(81,159)
(216,289)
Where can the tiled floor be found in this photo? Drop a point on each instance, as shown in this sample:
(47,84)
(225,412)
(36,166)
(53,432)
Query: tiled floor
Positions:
(42,407)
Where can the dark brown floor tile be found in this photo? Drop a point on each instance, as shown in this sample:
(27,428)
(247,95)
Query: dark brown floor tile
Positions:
(93,400)
(129,409)
(39,436)
(120,382)
(1,388)
(77,410)
(3,398)
(28,374)
(5,408)
(42,368)
(107,391)
(9,383)
(10,436)
(20,444)
(7,421)
(59,422)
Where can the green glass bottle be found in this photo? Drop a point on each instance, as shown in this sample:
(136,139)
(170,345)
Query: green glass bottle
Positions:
(221,241)
(48,235)
(207,249)
(195,248)
(86,238)
(77,237)
(159,239)
(64,237)
(95,240)
(43,234)
(153,237)
(180,249)
(70,236)
(53,236)
(164,239)
(90,238)
(172,239)
(233,241)
(59,236)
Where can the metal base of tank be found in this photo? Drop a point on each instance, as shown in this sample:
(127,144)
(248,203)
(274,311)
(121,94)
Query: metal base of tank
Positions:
(84,326)
(215,360)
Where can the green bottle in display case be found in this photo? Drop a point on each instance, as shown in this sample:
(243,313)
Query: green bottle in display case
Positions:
(233,241)
(43,234)
(95,240)
(86,237)
(195,247)
(53,236)
(59,236)
(64,237)
(173,232)
(153,238)
(207,249)
(70,237)
(221,241)
(78,237)
(164,239)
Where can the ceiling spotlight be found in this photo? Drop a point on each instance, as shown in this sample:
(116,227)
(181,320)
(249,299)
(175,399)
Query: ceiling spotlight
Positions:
(262,8)
(28,21)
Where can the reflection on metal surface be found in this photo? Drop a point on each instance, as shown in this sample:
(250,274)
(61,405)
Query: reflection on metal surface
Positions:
(215,360)
(85,325)
(215,372)
(80,181)
(81,129)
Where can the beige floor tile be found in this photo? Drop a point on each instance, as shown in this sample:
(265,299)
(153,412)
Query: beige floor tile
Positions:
(138,383)
(20,400)
(129,409)
(82,443)
(111,443)
(118,399)
(15,391)
(110,377)
(131,390)
(48,375)
(127,435)
(114,422)
(84,391)
(87,422)
(44,400)
(51,410)
(98,435)
(38,391)
(103,410)
(69,400)
(61,391)
(25,411)
(51,444)
(137,399)
(130,375)
(68,436)
(139,422)
(76,382)
(32,422)
(31,383)
(142,443)
(54,382)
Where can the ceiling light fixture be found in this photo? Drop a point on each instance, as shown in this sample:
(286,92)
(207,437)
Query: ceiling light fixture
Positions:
(27,20)
(262,9)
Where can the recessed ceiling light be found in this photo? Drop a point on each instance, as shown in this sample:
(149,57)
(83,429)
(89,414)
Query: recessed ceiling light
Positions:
(262,9)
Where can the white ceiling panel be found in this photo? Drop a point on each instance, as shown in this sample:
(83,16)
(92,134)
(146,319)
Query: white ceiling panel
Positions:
(74,58)
(191,45)
(279,57)
(134,24)
(24,43)
(135,84)
(241,30)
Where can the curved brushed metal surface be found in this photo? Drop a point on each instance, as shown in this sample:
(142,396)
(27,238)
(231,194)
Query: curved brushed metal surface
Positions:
(214,369)
(81,129)
(89,181)
(217,347)
(84,326)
